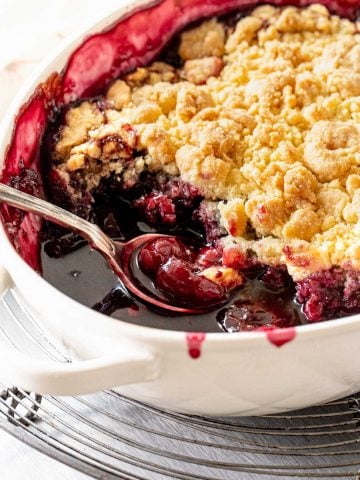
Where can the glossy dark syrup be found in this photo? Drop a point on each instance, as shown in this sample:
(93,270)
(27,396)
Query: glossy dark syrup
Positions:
(83,275)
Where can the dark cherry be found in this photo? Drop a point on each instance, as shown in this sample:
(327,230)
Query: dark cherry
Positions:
(116,299)
(322,294)
(169,202)
(157,209)
(184,195)
(176,271)
(207,215)
(177,279)
(276,278)
(329,294)
(156,253)
(28,180)
(352,291)
(209,256)
(234,258)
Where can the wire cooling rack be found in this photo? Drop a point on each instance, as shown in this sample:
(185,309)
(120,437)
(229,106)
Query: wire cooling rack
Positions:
(109,436)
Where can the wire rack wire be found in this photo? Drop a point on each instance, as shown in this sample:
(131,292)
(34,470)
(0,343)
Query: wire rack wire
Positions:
(110,436)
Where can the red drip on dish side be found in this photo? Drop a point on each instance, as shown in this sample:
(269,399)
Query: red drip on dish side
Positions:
(194,342)
(279,336)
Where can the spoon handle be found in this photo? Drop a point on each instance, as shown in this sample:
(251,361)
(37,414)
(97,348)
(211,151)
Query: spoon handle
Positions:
(29,203)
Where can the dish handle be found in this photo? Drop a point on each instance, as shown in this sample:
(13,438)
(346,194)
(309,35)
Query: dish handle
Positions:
(77,378)
(129,364)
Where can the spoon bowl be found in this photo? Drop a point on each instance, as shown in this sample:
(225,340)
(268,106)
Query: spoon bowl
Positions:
(119,255)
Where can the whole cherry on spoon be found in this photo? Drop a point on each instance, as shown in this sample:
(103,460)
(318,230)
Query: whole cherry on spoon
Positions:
(119,255)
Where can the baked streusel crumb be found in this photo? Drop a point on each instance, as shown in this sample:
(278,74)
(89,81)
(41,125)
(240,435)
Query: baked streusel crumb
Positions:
(263,118)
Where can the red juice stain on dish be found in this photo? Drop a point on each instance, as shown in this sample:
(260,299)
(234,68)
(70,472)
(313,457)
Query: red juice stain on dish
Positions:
(279,336)
(194,342)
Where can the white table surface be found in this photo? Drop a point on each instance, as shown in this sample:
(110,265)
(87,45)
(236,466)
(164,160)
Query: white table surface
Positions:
(29,30)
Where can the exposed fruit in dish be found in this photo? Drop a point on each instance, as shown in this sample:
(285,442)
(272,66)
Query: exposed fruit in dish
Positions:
(244,139)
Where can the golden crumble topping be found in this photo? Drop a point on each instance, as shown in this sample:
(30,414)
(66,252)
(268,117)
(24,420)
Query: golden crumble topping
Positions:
(263,117)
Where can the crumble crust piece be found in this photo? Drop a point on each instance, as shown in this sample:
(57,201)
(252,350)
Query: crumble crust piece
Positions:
(263,117)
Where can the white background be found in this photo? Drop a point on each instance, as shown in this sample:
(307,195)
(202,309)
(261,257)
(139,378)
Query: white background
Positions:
(30,29)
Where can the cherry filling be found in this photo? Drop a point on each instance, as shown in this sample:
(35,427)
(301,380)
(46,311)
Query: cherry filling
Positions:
(158,252)
(329,294)
(257,297)
(191,270)
(178,279)
(170,264)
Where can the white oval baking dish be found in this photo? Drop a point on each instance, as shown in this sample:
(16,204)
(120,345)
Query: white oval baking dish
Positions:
(236,374)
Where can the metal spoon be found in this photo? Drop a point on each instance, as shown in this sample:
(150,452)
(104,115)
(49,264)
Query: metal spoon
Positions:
(117,254)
